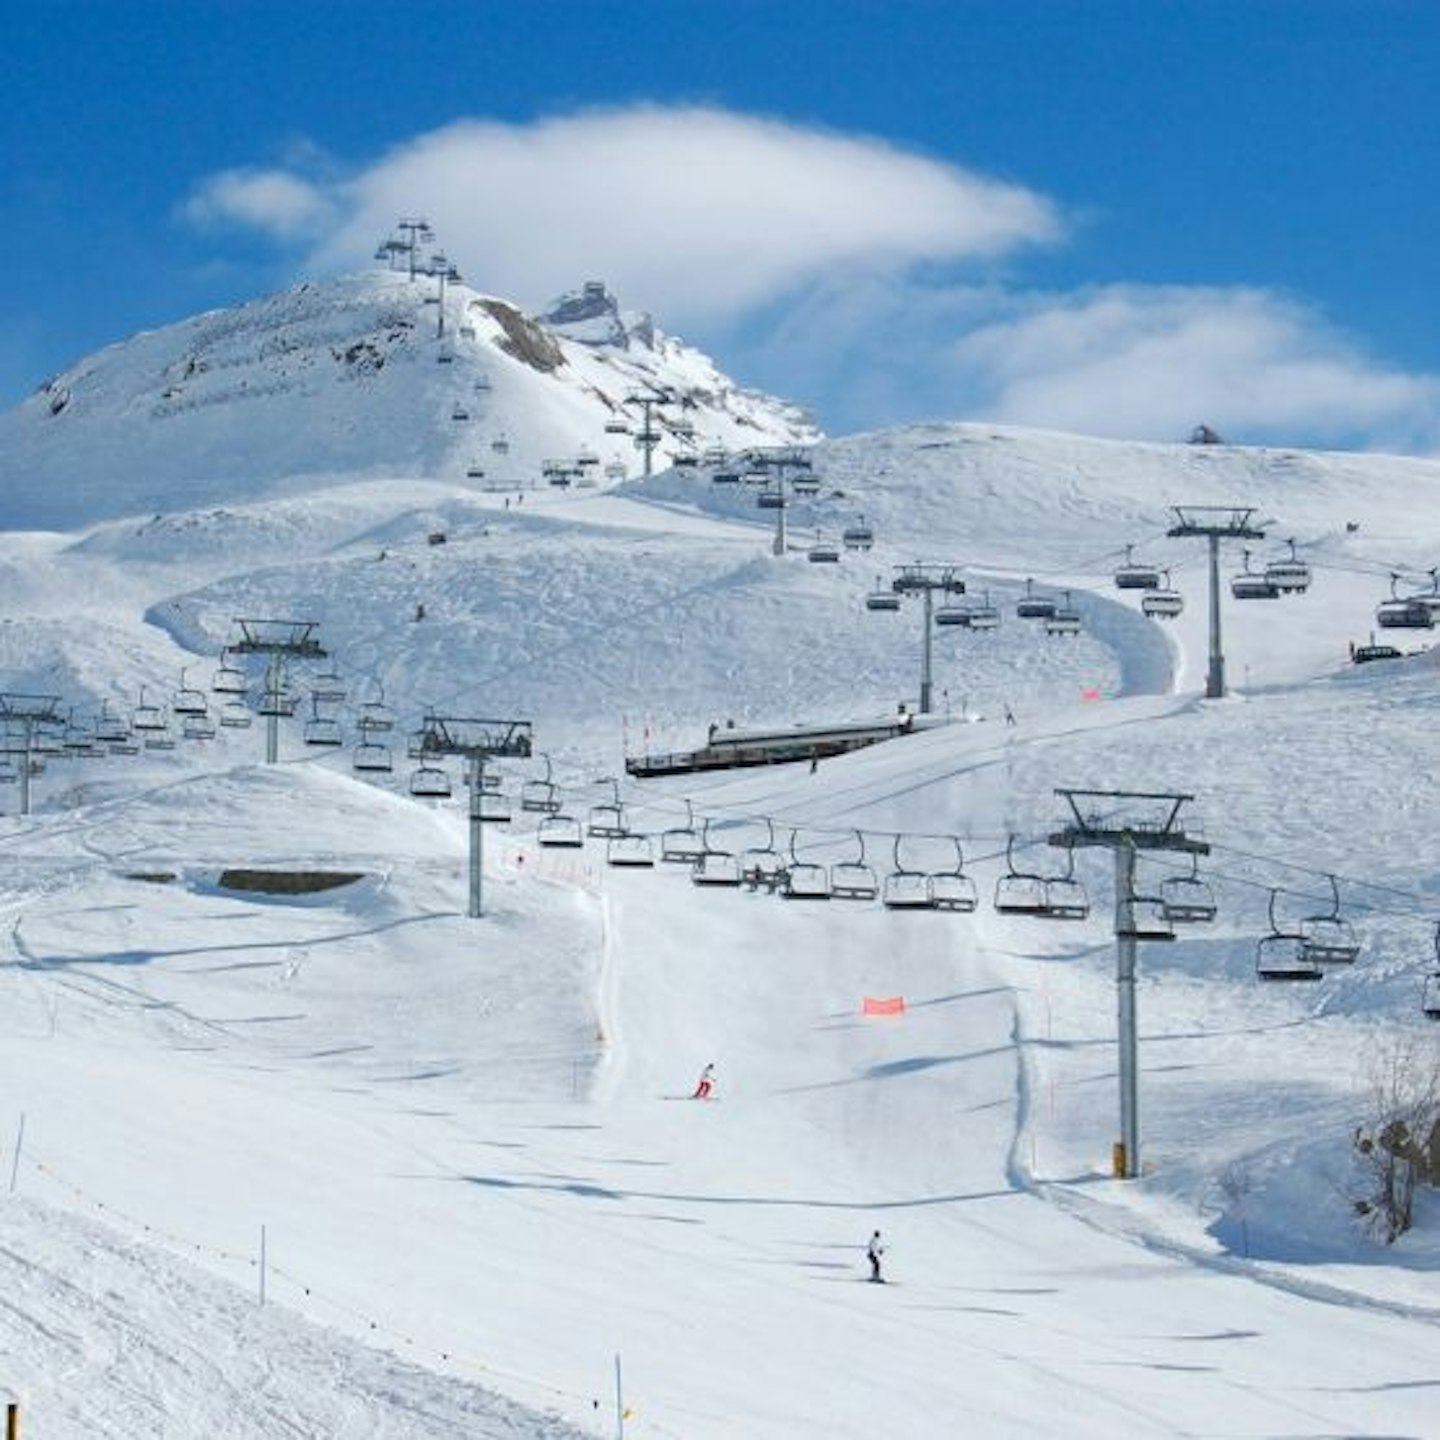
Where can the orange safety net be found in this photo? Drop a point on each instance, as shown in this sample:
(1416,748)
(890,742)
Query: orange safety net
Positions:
(889,1005)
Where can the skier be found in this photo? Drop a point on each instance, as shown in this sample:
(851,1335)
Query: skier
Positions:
(1009,715)
(873,1251)
(706,1084)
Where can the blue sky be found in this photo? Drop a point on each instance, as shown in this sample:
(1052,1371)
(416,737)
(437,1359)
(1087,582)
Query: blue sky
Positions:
(1119,217)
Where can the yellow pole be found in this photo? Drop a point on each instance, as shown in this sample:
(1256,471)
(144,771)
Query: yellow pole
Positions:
(1117,1160)
(12,1421)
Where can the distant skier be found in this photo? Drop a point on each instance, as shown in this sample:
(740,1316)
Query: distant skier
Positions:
(873,1251)
(705,1086)
(1009,716)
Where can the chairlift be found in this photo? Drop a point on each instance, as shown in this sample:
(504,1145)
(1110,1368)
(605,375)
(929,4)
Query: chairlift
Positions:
(953,889)
(906,889)
(1065,897)
(370,757)
(858,536)
(147,717)
(277,703)
(198,727)
(1031,606)
(157,741)
(1328,938)
(430,782)
(322,730)
(1289,574)
(559,831)
(617,426)
(1251,585)
(712,866)
(235,715)
(494,807)
(882,597)
(684,460)
(1403,612)
(1065,620)
(806,484)
(763,864)
(854,879)
(607,821)
(1134,575)
(804,879)
(1430,995)
(538,796)
(187,700)
(630,850)
(954,613)
(1163,602)
(1187,899)
(110,729)
(1019,892)
(823,552)
(725,477)
(328,687)
(983,615)
(1142,917)
(374,717)
(682,845)
(500,445)
(229,679)
(1282,954)
(615,470)
(770,500)
(459,412)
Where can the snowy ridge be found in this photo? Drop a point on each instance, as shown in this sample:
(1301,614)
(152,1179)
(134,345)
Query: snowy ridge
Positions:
(461,1127)
(351,378)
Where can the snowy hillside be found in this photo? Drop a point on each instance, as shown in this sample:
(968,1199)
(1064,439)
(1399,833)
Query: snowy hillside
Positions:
(469,1142)
(370,376)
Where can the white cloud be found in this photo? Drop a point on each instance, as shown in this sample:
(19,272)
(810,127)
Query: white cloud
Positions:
(275,201)
(1151,362)
(694,213)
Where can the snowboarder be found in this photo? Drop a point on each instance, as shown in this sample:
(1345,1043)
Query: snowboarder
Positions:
(873,1251)
(705,1086)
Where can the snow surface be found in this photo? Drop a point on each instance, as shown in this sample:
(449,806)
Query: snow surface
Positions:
(483,1192)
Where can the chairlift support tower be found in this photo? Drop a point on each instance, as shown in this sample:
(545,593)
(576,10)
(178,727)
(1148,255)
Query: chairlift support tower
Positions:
(648,437)
(476,741)
(1215,523)
(27,714)
(278,641)
(926,580)
(415,229)
(1095,825)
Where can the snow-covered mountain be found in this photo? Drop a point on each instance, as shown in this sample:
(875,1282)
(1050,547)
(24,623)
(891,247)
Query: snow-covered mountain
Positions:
(457,1134)
(373,375)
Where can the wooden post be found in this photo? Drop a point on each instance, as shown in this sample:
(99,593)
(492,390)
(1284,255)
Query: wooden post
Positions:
(12,1421)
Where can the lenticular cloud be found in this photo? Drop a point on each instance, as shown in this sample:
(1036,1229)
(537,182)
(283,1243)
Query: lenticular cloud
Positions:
(695,212)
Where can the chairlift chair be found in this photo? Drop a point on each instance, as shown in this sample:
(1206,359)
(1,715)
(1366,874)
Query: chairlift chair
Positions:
(229,679)
(630,850)
(808,484)
(235,715)
(430,782)
(953,614)
(607,821)
(770,500)
(725,477)
(1019,892)
(1065,897)
(1163,602)
(984,615)
(279,703)
(1430,995)
(682,845)
(1282,954)
(459,412)
(157,741)
(149,718)
(494,808)
(1403,612)
(854,879)
(617,427)
(198,727)
(1133,575)
(328,687)
(1065,620)
(500,445)
(882,598)
(371,757)
(1187,899)
(953,889)
(538,796)
(1031,606)
(713,866)
(804,879)
(374,717)
(1328,938)
(763,864)
(187,700)
(1251,585)
(1142,917)
(823,552)
(1289,574)
(906,889)
(559,831)
(110,729)
(322,731)
(858,536)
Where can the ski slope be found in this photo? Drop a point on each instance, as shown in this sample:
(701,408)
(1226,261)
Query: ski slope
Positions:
(483,1191)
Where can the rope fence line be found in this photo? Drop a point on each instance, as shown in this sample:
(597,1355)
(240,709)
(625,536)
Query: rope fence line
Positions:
(404,1341)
